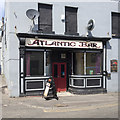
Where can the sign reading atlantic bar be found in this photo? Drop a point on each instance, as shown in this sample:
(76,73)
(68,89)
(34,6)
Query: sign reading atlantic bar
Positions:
(63,43)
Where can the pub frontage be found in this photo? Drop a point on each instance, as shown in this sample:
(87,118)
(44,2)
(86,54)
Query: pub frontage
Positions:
(77,64)
(75,43)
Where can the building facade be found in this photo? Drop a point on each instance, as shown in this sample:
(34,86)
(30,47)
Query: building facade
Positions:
(59,44)
(0,57)
(0,44)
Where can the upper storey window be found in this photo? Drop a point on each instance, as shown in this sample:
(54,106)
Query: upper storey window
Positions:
(116,24)
(45,19)
(71,20)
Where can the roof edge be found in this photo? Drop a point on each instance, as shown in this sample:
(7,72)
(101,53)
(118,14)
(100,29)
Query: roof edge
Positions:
(58,36)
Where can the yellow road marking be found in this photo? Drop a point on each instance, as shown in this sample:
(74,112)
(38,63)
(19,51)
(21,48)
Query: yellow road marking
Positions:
(79,109)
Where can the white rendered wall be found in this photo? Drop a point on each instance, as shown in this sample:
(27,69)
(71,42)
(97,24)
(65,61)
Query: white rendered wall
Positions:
(16,17)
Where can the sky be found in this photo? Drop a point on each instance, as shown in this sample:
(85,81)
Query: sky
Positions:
(1,9)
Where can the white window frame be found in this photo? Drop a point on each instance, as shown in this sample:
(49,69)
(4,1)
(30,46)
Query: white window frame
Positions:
(34,89)
(85,62)
(77,86)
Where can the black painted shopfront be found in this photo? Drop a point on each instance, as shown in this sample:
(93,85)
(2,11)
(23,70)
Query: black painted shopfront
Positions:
(76,63)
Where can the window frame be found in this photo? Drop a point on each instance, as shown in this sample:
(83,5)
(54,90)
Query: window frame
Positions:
(51,18)
(101,61)
(26,62)
(66,20)
(85,61)
(113,25)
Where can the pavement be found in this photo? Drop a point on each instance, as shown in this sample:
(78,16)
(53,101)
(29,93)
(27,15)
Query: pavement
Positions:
(0,81)
(68,106)
(0,96)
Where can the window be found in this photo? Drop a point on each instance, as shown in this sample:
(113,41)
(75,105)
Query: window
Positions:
(48,63)
(45,19)
(89,63)
(93,63)
(34,63)
(79,63)
(70,20)
(62,70)
(116,24)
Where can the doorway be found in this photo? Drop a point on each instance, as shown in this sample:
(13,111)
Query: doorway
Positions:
(59,73)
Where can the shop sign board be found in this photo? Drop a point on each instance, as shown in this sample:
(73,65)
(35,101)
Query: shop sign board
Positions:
(113,65)
(30,42)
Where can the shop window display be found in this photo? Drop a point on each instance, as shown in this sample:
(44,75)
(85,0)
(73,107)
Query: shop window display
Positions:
(79,63)
(87,63)
(48,64)
(34,63)
(93,63)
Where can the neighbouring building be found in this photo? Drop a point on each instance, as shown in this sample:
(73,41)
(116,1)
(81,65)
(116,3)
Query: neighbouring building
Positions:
(77,43)
(0,44)
(0,56)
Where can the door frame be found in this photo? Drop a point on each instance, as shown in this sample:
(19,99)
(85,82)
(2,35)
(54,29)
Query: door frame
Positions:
(59,73)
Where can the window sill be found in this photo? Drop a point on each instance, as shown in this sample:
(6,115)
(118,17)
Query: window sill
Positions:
(38,77)
(45,32)
(116,37)
(67,33)
(82,76)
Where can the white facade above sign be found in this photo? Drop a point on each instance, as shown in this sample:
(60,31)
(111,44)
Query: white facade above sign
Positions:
(30,42)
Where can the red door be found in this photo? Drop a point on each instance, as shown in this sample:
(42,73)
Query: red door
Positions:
(59,76)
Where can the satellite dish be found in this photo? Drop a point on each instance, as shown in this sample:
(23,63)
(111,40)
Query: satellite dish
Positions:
(90,25)
(32,14)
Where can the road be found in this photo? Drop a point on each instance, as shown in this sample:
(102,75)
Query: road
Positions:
(68,106)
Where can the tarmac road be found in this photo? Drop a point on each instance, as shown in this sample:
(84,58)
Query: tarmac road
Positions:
(68,106)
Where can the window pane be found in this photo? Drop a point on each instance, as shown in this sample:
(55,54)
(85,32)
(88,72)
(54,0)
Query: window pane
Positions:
(71,20)
(115,24)
(34,63)
(93,63)
(62,71)
(28,64)
(79,63)
(45,19)
(48,64)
